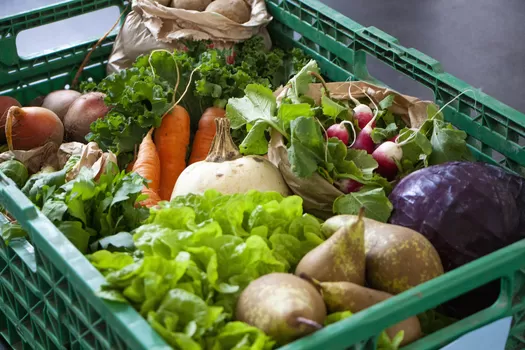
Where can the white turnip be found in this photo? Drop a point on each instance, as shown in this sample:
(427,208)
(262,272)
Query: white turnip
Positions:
(31,127)
(59,101)
(226,171)
(387,155)
(82,112)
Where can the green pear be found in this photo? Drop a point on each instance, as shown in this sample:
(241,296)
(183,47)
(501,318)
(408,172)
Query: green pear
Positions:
(282,305)
(347,296)
(397,258)
(341,257)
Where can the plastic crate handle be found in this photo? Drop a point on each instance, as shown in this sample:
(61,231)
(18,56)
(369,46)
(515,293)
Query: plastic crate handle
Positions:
(11,26)
(10,196)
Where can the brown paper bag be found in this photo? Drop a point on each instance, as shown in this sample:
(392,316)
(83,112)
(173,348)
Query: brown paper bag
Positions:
(150,26)
(318,194)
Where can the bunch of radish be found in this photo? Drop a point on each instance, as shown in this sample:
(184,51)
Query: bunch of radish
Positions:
(387,155)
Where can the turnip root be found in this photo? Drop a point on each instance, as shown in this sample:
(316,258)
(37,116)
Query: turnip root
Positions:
(59,101)
(82,112)
(195,5)
(6,102)
(226,171)
(31,127)
(236,10)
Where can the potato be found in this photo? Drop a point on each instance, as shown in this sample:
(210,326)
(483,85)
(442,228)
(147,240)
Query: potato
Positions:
(82,112)
(195,5)
(163,2)
(236,10)
(397,258)
(59,101)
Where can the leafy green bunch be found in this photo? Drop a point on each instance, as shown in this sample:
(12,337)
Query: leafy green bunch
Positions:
(303,122)
(87,209)
(197,253)
(202,76)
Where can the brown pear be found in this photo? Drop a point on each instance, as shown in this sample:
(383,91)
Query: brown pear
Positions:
(282,305)
(347,296)
(397,258)
(341,257)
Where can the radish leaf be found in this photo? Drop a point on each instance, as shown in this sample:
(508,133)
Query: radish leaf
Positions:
(373,199)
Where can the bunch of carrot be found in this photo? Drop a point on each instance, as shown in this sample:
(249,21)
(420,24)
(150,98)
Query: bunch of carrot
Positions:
(161,158)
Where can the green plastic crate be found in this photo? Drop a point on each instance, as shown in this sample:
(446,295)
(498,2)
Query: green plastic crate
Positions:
(47,290)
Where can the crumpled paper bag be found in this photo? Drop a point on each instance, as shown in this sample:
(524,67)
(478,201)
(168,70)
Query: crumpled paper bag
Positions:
(151,26)
(318,194)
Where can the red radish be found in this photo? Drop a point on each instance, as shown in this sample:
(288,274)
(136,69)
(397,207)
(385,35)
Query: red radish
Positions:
(393,139)
(364,140)
(31,127)
(339,131)
(386,156)
(364,115)
(348,185)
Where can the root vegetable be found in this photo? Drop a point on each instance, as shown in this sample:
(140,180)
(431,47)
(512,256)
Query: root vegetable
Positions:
(147,165)
(195,5)
(6,102)
(364,115)
(364,140)
(339,131)
(59,101)
(387,155)
(226,171)
(31,127)
(236,10)
(82,112)
(172,139)
(204,136)
(348,185)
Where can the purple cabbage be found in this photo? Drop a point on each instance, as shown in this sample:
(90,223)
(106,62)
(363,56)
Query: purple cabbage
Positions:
(466,210)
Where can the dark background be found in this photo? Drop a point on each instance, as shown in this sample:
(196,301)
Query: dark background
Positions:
(479,41)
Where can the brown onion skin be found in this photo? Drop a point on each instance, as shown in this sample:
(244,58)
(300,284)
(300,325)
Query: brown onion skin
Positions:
(33,127)
(6,102)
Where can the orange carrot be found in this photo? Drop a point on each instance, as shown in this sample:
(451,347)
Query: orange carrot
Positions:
(172,139)
(147,165)
(204,136)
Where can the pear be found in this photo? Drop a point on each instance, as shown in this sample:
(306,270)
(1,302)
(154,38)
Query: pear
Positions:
(341,257)
(282,305)
(397,258)
(347,296)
